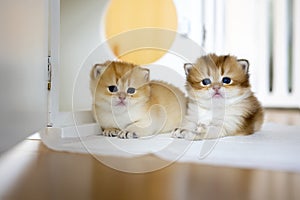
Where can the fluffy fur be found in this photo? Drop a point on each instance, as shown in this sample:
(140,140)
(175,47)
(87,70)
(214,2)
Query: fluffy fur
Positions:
(220,100)
(127,105)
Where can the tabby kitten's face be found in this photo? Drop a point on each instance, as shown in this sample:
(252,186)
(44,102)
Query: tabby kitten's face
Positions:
(121,84)
(217,77)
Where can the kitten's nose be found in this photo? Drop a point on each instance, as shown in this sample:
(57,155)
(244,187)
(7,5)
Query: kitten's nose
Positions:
(122,96)
(216,87)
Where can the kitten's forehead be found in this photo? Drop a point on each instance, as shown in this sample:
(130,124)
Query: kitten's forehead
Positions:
(214,66)
(123,74)
(121,69)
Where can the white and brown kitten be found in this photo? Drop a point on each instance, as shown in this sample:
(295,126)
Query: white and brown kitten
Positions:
(127,104)
(220,100)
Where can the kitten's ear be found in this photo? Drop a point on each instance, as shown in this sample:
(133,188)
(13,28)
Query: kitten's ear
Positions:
(97,70)
(146,73)
(187,67)
(245,64)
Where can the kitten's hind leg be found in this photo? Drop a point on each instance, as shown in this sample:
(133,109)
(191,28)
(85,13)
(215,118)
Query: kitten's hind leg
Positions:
(110,132)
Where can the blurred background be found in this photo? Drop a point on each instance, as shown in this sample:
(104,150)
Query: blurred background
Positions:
(266,32)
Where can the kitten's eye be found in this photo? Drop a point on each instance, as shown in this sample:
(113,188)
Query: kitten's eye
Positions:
(206,81)
(226,80)
(131,90)
(113,88)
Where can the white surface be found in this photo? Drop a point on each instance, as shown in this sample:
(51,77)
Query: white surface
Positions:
(275,147)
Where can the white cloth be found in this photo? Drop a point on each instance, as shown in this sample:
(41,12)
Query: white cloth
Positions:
(275,147)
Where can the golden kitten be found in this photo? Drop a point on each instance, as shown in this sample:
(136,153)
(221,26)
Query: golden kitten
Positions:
(220,100)
(127,104)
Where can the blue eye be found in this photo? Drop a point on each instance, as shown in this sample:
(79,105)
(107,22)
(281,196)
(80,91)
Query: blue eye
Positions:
(131,90)
(206,81)
(226,80)
(113,88)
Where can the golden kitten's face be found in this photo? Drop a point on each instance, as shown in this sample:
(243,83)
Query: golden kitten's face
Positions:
(217,77)
(121,84)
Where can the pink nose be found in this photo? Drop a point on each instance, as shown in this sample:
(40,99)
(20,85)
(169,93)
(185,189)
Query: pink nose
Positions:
(122,96)
(216,87)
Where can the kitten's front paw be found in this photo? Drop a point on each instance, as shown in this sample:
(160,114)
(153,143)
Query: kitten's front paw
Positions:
(201,128)
(193,136)
(123,134)
(111,132)
(197,134)
(178,133)
(186,134)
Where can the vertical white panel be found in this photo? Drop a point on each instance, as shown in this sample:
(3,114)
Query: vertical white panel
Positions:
(296,52)
(23,76)
(80,33)
(280,48)
(195,16)
(209,24)
(189,15)
(261,72)
(239,29)
(220,24)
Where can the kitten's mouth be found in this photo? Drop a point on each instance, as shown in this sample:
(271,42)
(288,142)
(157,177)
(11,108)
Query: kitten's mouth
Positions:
(217,95)
(121,103)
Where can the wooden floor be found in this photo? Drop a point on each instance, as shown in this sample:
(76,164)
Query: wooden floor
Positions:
(31,171)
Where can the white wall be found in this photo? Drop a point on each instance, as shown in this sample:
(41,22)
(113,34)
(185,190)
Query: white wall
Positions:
(80,33)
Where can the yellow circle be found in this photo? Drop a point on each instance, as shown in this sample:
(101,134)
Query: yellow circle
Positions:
(146,45)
